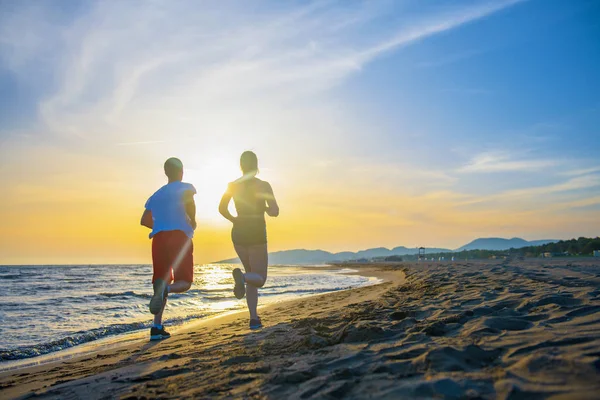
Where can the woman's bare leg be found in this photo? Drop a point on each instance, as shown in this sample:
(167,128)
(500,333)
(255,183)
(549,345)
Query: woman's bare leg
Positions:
(252,300)
(251,291)
(256,277)
(242,252)
(244,256)
(258,259)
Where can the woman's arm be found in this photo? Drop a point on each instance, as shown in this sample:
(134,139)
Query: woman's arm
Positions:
(272,209)
(224,205)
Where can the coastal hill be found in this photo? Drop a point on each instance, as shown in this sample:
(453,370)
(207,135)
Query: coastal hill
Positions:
(302,256)
(502,244)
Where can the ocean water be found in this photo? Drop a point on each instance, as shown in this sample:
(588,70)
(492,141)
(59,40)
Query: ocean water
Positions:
(44,309)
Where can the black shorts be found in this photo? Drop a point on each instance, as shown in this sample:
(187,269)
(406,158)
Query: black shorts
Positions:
(249,232)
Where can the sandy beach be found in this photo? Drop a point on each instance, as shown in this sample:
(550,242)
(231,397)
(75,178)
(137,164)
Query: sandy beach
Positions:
(489,329)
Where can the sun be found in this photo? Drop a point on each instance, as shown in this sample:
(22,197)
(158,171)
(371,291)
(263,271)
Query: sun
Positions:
(210,177)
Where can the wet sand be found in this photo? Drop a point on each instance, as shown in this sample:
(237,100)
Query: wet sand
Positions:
(495,329)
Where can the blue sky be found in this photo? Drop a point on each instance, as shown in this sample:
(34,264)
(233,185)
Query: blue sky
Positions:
(490,82)
(452,114)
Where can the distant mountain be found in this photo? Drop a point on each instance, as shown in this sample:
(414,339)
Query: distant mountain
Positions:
(301,256)
(502,244)
(401,250)
(396,251)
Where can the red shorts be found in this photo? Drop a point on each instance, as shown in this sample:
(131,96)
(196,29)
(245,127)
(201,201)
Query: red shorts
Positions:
(172,256)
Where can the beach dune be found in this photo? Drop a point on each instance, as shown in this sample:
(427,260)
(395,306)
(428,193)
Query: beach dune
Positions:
(480,330)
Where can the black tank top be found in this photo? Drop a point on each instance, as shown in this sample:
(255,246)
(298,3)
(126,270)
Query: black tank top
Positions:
(248,198)
(250,227)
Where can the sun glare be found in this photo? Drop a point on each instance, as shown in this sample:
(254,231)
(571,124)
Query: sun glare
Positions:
(210,179)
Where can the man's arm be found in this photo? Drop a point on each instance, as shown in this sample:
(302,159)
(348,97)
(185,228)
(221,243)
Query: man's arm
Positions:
(190,207)
(147,219)
(224,205)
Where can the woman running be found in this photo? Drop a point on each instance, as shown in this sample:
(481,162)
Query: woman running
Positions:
(253,198)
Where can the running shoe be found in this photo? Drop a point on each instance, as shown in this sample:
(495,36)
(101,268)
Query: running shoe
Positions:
(255,324)
(159,333)
(239,290)
(161,290)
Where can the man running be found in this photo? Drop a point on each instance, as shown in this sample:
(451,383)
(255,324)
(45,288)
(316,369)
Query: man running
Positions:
(171,214)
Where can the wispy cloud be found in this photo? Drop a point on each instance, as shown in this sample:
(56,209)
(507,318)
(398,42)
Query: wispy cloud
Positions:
(574,204)
(583,171)
(398,175)
(573,184)
(503,162)
(435,25)
(572,191)
(206,56)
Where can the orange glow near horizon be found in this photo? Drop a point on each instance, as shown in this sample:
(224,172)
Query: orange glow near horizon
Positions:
(63,223)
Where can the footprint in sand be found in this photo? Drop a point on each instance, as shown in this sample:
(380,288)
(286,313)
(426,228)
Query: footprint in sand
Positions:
(507,324)
(582,311)
(172,356)
(552,343)
(446,359)
(558,299)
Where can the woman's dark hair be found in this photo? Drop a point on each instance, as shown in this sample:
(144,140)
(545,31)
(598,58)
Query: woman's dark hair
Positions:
(249,163)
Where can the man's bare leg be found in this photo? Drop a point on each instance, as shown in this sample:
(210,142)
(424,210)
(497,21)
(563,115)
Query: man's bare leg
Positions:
(158,317)
(179,286)
(175,287)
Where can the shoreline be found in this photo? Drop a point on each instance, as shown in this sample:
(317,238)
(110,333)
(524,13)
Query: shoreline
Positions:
(139,339)
(112,340)
(495,329)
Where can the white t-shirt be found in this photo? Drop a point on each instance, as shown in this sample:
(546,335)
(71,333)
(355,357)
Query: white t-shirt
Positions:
(168,210)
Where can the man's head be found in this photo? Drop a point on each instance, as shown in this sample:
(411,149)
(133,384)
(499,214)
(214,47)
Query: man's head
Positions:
(174,169)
